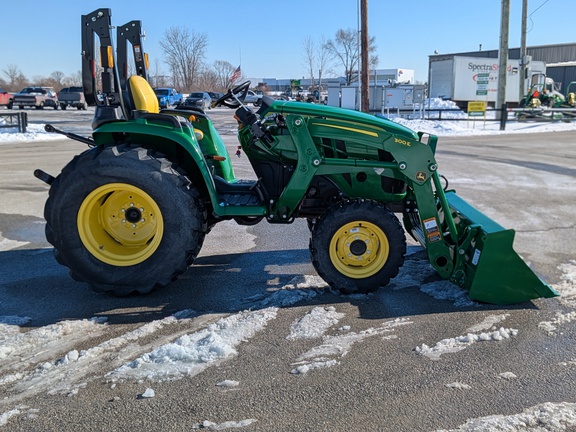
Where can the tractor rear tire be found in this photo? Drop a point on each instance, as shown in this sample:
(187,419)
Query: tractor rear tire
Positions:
(123,219)
(357,246)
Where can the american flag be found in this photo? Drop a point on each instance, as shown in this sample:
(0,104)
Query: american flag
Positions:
(237,73)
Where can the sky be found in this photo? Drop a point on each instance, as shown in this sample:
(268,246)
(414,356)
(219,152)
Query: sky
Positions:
(266,38)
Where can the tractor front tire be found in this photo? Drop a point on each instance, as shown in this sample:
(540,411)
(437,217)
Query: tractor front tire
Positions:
(357,246)
(123,219)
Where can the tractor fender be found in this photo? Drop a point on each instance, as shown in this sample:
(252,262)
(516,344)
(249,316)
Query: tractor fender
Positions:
(178,144)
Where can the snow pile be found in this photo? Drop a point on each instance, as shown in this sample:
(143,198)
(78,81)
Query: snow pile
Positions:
(449,108)
(148,393)
(416,271)
(478,333)
(545,417)
(567,290)
(458,385)
(4,417)
(191,354)
(458,343)
(34,132)
(302,287)
(567,287)
(315,323)
(228,384)
(43,338)
(336,347)
(446,290)
(65,375)
(208,425)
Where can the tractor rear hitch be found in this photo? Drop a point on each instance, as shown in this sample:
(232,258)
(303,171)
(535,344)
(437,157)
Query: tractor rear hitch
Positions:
(51,129)
(44,176)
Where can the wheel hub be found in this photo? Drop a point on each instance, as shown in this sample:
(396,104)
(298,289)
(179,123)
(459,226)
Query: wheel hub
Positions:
(359,249)
(133,215)
(120,224)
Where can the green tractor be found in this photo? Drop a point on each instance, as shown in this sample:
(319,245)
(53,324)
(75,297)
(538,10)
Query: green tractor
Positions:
(130,213)
(543,92)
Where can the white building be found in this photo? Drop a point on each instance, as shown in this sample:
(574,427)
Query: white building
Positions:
(397,76)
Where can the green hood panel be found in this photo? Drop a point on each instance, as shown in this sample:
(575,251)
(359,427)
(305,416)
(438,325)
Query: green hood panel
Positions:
(315,110)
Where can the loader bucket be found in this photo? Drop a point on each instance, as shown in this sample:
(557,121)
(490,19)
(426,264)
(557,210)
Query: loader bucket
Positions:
(490,269)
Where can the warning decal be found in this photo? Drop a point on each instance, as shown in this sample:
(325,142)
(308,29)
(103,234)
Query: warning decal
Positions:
(432,230)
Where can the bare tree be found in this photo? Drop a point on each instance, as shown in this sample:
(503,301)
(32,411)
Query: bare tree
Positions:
(346,50)
(317,58)
(323,59)
(57,77)
(309,53)
(223,70)
(186,52)
(207,79)
(157,77)
(16,80)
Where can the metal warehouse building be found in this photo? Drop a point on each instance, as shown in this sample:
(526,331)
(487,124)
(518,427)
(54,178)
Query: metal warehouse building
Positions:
(560,59)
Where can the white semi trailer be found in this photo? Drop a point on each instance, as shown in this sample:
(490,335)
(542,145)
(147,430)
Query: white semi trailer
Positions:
(465,79)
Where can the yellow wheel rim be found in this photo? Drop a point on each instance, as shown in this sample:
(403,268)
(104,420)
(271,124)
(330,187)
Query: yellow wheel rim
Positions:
(359,249)
(120,224)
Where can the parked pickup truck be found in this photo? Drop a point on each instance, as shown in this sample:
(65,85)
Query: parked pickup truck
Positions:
(72,97)
(167,97)
(6,99)
(253,98)
(37,97)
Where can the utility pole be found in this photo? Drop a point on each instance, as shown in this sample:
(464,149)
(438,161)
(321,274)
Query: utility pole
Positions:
(503,57)
(523,51)
(364,85)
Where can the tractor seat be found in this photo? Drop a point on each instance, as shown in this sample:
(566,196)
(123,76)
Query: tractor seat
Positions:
(141,96)
(143,99)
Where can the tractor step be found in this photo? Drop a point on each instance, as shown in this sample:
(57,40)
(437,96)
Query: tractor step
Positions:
(239,194)
(244,199)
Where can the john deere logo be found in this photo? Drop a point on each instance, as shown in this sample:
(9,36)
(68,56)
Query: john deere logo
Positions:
(421,176)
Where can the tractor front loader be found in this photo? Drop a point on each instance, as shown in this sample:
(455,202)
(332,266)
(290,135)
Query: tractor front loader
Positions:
(131,212)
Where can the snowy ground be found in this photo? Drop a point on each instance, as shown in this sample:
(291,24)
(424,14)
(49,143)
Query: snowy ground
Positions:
(218,336)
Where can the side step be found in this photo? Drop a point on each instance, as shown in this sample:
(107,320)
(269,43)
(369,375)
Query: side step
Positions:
(239,194)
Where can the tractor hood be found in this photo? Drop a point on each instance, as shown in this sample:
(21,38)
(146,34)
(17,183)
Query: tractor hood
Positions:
(315,110)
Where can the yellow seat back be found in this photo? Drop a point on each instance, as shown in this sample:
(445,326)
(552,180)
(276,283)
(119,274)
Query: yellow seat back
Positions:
(142,95)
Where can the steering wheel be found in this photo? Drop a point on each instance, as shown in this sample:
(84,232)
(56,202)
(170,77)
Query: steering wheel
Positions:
(228,99)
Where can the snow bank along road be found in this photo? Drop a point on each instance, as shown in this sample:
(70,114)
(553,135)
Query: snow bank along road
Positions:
(250,338)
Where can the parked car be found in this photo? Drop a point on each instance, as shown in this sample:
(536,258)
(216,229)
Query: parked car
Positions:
(200,100)
(253,98)
(167,97)
(37,97)
(215,95)
(6,99)
(72,97)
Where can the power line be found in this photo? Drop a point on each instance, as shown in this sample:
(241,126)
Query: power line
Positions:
(533,12)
